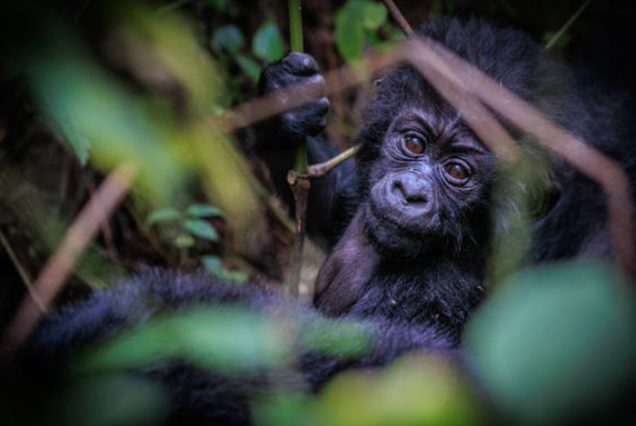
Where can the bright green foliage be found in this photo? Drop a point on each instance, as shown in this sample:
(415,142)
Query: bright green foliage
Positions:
(227,338)
(250,67)
(344,339)
(201,228)
(356,23)
(213,265)
(163,215)
(268,43)
(415,390)
(203,210)
(229,37)
(555,340)
(183,226)
(92,111)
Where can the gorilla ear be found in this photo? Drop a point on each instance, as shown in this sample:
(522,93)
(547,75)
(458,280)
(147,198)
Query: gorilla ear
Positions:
(345,272)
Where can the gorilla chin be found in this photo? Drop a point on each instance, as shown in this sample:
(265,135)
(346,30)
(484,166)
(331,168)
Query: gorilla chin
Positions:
(394,235)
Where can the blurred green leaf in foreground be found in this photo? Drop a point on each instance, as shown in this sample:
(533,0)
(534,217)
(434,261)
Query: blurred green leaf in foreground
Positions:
(556,342)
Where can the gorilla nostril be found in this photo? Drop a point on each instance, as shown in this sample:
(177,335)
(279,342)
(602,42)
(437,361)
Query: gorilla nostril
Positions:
(415,199)
(408,194)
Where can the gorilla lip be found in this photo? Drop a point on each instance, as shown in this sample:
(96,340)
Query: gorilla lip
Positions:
(378,221)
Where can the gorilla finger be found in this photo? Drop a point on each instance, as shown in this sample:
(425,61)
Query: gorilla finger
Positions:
(301,64)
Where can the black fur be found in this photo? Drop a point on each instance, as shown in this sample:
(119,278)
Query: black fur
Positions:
(571,222)
(199,396)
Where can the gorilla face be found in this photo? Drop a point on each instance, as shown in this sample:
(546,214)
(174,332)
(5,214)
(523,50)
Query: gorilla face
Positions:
(429,188)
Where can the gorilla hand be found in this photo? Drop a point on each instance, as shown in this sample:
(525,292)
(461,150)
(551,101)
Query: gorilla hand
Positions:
(291,127)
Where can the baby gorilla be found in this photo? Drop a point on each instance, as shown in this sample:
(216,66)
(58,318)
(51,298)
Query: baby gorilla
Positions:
(424,203)
(416,217)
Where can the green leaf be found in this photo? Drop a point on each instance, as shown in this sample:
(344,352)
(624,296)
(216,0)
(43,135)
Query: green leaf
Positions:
(229,37)
(373,15)
(184,241)
(225,339)
(212,264)
(203,210)
(268,43)
(555,339)
(201,229)
(349,30)
(163,215)
(249,67)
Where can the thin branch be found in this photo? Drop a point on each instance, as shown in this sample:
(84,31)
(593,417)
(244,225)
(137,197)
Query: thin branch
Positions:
(58,268)
(399,18)
(321,169)
(550,44)
(21,271)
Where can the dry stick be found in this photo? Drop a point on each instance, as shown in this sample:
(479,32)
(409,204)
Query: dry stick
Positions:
(321,169)
(566,26)
(590,162)
(58,268)
(399,18)
(21,271)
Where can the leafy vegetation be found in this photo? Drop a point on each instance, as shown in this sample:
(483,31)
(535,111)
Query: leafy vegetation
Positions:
(148,83)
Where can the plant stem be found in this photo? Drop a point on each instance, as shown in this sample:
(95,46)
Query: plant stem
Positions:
(297,178)
(555,38)
(295,26)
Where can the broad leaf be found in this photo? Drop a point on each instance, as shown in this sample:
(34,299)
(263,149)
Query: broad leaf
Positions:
(349,30)
(268,43)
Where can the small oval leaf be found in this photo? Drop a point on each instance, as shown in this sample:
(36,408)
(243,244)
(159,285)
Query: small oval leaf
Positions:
(373,15)
(349,30)
(229,37)
(249,66)
(201,229)
(162,215)
(268,43)
(204,210)
(212,264)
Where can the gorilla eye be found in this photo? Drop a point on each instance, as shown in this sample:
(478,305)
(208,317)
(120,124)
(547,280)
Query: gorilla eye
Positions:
(457,172)
(413,143)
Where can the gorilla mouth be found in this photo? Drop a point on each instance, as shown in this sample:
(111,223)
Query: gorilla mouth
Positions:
(391,231)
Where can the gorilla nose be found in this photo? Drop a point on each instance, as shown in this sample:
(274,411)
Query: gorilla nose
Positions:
(411,191)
